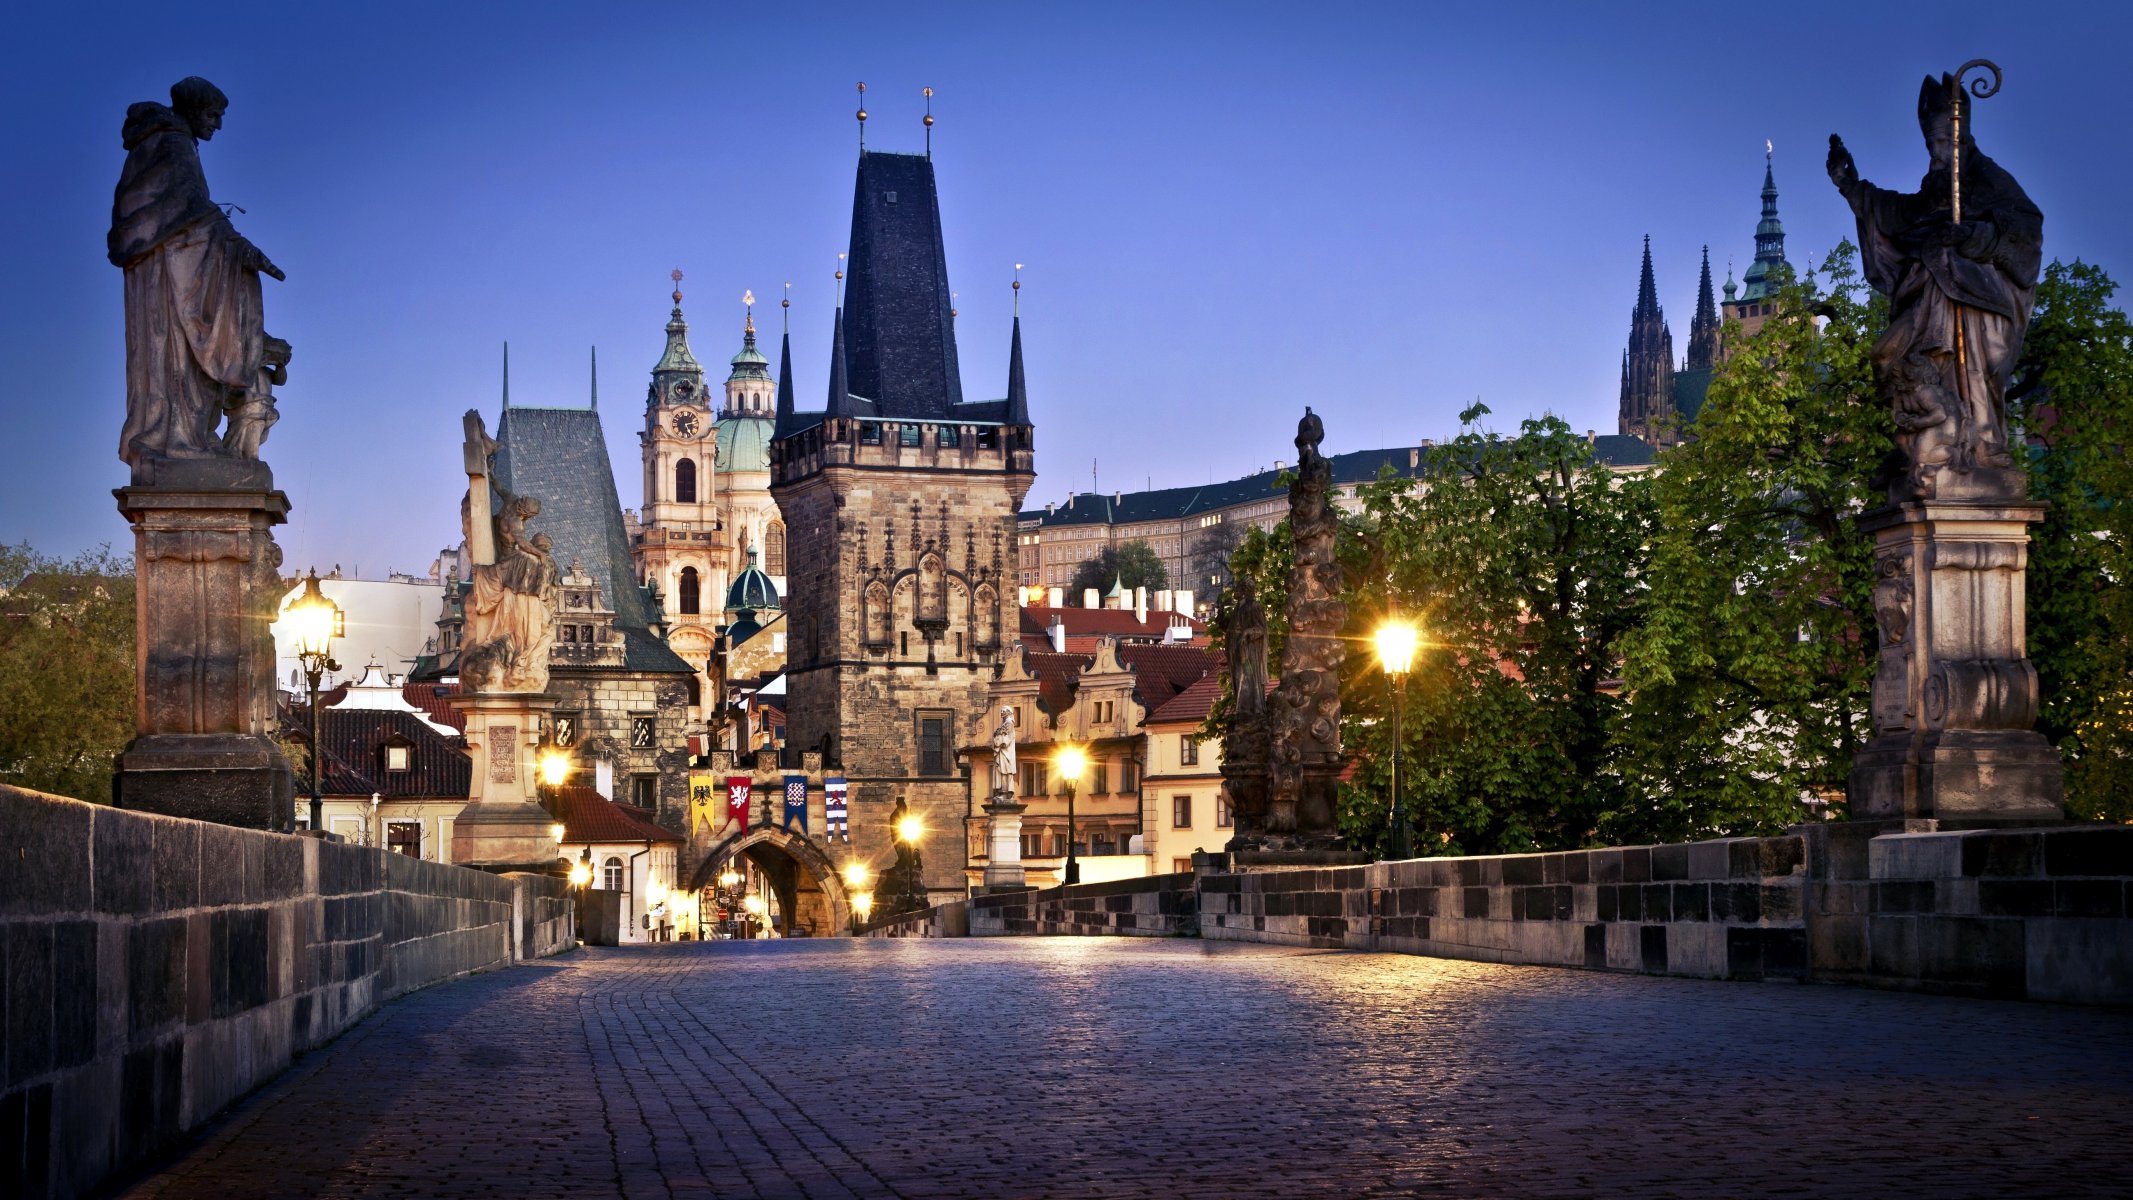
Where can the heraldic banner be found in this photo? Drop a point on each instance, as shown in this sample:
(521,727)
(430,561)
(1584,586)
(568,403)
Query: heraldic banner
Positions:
(703,800)
(796,801)
(737,790)
(834,816)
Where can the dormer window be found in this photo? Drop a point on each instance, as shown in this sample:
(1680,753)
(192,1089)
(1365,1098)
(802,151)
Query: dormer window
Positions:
(398,758)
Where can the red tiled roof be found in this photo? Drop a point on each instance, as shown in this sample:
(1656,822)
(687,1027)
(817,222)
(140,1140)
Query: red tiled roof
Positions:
(589,816)
(1055,675)
(1193,703)
(353,761)
(430,698)
(1161,672)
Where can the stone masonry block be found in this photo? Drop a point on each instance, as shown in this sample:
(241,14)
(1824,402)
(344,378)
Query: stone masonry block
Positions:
(125,862)
(2106,850)
(1710,860)
(48,846)
(29,997)
(1636,864)
(2079,961)
(1523,870)
(2007,854)
(1670,863)
(1915,856)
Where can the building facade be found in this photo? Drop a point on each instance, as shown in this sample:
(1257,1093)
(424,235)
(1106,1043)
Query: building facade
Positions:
(899,500)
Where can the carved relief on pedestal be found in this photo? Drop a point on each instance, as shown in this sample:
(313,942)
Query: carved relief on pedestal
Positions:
(503,753)
(1894,598)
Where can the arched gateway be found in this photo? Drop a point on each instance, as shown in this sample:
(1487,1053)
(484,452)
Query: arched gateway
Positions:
(808,885)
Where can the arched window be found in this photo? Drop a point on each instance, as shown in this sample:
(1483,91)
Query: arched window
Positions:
(774,548)
(685,483)
(689,591)
(611,875)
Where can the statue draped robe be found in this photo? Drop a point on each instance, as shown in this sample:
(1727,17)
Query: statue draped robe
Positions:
(194,342)
(1957,315)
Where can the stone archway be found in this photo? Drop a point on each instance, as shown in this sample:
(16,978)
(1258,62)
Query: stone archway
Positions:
(809,888)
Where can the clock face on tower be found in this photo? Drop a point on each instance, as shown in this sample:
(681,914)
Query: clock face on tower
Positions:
(685,423)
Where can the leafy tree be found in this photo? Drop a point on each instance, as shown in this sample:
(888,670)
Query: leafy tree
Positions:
(1522,564)
(1749,677)
(2073,395)
(1134,564)
(66,670)
(1207,557)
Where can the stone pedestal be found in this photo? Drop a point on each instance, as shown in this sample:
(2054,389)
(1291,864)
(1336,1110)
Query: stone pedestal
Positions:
(207,587)
(1955,695)
(504,825)
(1003,863)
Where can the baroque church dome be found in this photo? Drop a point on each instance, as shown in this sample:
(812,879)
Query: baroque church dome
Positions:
(751,590)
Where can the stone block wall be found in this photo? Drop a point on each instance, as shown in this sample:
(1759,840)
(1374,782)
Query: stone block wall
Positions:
(1152,906)
(1719,909)
(2042,914)
(154,969)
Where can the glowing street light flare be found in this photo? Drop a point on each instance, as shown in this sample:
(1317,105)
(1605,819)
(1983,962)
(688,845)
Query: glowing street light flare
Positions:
(910,829)
(855,873)
(554,765)
(556,831)
(1396,642)
(1072,762)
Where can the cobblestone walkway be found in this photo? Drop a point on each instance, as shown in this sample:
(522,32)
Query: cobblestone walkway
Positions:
(1116,1068)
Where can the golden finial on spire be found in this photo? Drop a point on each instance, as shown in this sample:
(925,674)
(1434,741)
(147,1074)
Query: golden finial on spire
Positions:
(677,287)
(786,304)
(929,122)
(1017,285)
(952,297)
(1768,149)
(862,114)
(748,301)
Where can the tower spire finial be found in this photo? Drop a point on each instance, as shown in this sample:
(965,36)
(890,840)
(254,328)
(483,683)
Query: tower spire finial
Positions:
(677,287)
(862,116)
(929,123)
(786,305)
(748,303)
(507,374)
(596,378)
(1017,286)
(840,279)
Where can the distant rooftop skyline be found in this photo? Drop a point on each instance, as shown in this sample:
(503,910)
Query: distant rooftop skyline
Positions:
(1226,212)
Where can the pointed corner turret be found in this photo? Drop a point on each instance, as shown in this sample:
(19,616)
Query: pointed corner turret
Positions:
(840,396)
(785,407)
(1017,393)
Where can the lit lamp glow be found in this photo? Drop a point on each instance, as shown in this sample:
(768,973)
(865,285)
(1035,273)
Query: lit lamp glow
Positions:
(581,873)
(910,829)
(1396,642)
(729,879)
(863,904)
(315,621)
(1072,762)
(556,831)
(855,874)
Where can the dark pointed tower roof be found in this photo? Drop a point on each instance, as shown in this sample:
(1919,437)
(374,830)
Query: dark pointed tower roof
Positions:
(1017,395)
(840,391)
(785,401)
(1647,291)
(1704,326)
(1769,243)
(900,336)
(1648,367)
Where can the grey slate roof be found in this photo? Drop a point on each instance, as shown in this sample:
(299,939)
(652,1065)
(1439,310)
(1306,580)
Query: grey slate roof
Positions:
(1358,466)
(899,336)
(559,457)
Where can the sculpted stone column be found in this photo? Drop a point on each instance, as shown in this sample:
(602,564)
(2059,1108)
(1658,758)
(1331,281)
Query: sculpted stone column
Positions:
(200,376)
(1955,695)
(503,670)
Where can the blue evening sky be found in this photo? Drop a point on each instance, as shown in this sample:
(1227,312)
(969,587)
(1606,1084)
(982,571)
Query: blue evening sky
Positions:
(1227,211)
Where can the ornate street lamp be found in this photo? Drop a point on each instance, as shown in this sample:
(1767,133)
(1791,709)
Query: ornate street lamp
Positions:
(581,873)
(1071,761)
(909,829)
(729,881)
(1396,653)
(862,909)
(554,764)
(855,881)
(315,621)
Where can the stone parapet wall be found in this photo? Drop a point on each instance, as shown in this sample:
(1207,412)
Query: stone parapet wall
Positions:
(1727,908)
(1147,906)
(154,969)
(2042,914)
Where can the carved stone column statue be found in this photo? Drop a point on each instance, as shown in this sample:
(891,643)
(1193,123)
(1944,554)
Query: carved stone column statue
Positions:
(1003,810)
(503,669)
(200,376)
(1954,694)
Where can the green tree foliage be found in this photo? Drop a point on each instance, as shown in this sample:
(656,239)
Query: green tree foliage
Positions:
(1522,565)
(1132,563)
(66,670)
(2073,396)
(1749,675)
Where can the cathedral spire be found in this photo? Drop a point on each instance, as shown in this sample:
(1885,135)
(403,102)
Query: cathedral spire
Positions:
(1647,292)
(839,392)
(1647,400)
(785,400)
(1704,326)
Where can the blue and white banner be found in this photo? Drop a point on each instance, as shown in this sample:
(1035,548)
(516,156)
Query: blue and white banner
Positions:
(833,809)
(796,801)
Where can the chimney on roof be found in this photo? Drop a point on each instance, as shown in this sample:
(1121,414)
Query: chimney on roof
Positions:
(1055,597)
(1050,508)
(1281,464)
(1117,496)
(1140,605)
(604,778)
(1091,598)
(1414,460)
(1184,599)
(1055,633)
(1591,435)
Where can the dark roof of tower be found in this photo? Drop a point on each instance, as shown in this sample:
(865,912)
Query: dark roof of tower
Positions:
(752,591)
(900,337)
(785,402)
(559,457)
(1017,411)
(1769,244)
(1647,292)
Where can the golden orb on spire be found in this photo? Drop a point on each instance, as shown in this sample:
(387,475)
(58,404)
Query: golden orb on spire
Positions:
(862,102)
(677,285)
(787,302)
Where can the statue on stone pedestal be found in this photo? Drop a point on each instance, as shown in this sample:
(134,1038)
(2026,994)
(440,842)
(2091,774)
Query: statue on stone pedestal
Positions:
(195,348)
(1003,757)
(1306,706)
(1958,260)
(510,614)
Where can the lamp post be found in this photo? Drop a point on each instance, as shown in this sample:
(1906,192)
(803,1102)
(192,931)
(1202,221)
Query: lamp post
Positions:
(1396,653)
(316,621)
(862,910)
(728,881)
(554,764)
(1071,761)
(581,873)
(855,882)
(909,829)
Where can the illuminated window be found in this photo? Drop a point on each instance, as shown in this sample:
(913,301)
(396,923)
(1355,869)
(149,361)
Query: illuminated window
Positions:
(396,758)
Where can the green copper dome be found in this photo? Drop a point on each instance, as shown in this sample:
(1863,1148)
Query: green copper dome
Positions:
(744,443)
(752,590)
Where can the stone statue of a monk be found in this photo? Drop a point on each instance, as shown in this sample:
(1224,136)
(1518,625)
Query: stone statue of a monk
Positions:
(1960,296)
(1003,754)
(195,349)
(510,612)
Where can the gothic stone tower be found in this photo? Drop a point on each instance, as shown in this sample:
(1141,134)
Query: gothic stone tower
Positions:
(899,501)
(1647,406)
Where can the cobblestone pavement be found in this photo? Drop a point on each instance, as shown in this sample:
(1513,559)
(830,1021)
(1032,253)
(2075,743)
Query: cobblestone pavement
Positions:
(1121,1068)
